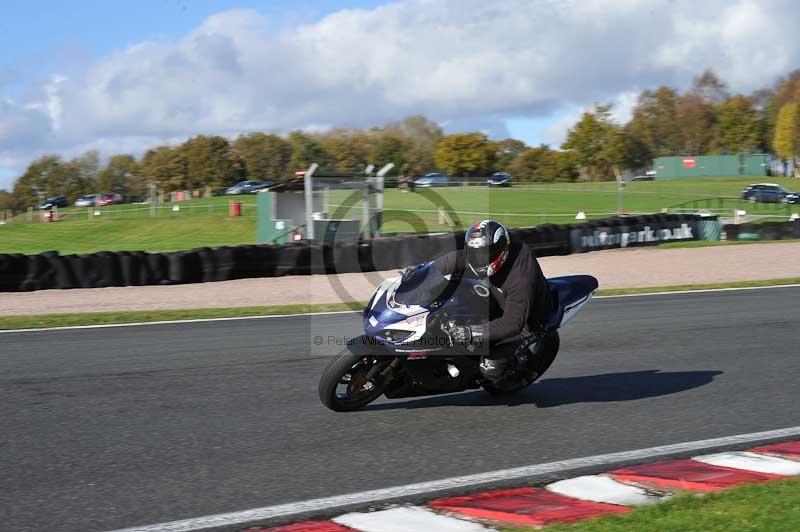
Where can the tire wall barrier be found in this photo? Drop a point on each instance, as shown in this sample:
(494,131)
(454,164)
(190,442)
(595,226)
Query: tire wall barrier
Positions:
(134,268)
(763,231)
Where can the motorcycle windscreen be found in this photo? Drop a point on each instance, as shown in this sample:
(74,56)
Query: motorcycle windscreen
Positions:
(423,288)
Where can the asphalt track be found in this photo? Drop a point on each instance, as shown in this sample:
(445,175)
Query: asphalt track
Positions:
(109,428)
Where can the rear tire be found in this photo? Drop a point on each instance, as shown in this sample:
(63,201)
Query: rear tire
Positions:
(538,363)
(346,370)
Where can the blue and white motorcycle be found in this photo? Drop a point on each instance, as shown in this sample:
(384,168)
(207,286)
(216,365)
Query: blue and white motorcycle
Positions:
(406,352)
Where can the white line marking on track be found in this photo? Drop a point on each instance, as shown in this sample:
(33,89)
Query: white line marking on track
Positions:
(407,519)
(423,488)
(699,291)
(598,488)
(761,463)
(333,313)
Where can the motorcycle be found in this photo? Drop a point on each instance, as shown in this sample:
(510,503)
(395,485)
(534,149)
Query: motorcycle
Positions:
(406,351)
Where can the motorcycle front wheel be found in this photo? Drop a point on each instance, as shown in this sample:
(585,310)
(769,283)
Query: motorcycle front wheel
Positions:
(346,383)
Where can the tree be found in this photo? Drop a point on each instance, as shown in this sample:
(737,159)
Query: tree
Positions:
(167,166)
(696,120)
(536,164)
(211,162)
(305,151)
(265,156)
(738,128)
(7,202)
(787,133)
(465,154)
(81,175)
(709,87)
(390,147)
(506,152)
(597,143)
(423,136)
(46,176)
(348,150)
(122,175)
(655,122)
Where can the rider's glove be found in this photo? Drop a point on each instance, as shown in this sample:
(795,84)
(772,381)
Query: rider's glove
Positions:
(465,334)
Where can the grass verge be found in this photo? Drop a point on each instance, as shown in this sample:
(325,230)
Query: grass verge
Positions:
(770,506)
(143,316)
(704,243)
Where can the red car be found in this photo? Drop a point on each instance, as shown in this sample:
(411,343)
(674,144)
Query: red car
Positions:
(108,199)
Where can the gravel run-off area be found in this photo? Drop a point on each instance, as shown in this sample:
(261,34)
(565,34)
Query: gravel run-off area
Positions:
(619,268)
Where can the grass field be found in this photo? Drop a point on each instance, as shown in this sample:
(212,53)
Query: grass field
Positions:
(206,222)
(774,506)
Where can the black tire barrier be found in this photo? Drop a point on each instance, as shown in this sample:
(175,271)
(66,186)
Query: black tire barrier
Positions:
(133,268)
(764,231)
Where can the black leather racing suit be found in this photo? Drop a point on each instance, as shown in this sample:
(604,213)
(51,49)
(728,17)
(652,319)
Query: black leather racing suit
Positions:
(522,293)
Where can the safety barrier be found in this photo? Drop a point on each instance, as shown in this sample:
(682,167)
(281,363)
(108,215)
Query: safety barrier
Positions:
(763,231)
(132,268)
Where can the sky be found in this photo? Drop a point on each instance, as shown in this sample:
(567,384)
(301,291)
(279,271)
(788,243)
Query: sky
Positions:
(126,76)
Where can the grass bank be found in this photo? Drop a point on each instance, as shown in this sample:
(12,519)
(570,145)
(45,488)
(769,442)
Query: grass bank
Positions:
(206,222)
(774,506)
(105,318)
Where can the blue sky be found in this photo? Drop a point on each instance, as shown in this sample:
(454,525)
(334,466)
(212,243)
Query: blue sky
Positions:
(121,77)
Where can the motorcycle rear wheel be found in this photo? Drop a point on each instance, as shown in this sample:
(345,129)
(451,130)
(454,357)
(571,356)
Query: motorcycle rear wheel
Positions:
(344,387)
(538,363)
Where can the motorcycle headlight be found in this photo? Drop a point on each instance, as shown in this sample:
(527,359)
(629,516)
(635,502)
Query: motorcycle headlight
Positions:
(394,335)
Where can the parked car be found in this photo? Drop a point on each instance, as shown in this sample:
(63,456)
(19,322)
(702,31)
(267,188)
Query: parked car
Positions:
(434,179)
(499,179)
(54,201)
(769,193)
(87,200)
(108,199)
(248,187)
(647,176)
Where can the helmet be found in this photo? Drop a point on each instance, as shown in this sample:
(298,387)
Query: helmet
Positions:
(486,244)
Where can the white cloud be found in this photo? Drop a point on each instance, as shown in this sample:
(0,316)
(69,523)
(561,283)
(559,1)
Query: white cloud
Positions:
(461,62)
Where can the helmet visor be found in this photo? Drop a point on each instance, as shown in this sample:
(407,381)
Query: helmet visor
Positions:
(480,258)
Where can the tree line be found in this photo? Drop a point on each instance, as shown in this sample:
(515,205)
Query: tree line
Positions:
(706,119)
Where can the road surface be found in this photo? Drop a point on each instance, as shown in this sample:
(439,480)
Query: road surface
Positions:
(114,427)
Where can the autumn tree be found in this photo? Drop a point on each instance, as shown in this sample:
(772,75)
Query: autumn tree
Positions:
(655,122)
(46,176)
(598,144)
(210,161)
(305,151)
(264,156)
(506,152)
(348,150)
(7,202)
(536,164)
(423,136)
(787,133)
(390,147)
(738,128)
(167,166)
(80,175)
(122,174)
(465,154)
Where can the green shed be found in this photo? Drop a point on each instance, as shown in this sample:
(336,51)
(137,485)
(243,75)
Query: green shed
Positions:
(690,166)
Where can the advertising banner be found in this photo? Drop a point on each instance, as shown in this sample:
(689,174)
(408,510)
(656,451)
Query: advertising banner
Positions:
(583,239)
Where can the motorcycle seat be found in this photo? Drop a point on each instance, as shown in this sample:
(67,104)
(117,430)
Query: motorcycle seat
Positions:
(568,291)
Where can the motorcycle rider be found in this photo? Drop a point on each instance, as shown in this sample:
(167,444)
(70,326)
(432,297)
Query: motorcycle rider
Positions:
(521,289)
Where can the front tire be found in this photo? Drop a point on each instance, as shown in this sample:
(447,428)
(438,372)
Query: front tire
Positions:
(344,386)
